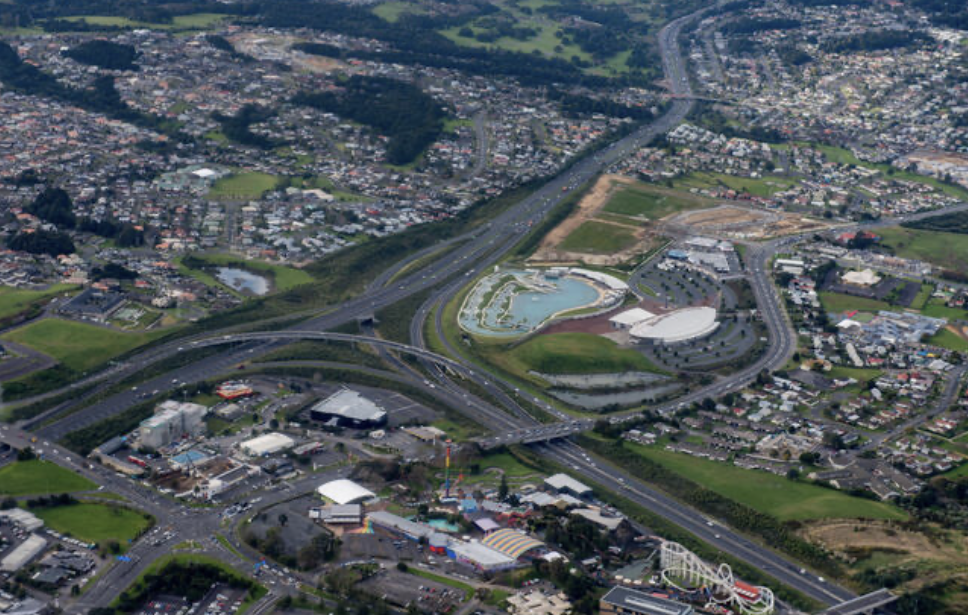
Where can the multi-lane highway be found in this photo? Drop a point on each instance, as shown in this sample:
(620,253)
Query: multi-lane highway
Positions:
(469,255)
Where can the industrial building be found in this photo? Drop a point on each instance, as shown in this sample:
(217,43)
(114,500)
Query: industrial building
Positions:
(23,554)
(625,601)
(172,420)
(676,327)
(347,408)
(28,521)
(267,444)
(562,483)
(347,514)
(344,491)
(630,318)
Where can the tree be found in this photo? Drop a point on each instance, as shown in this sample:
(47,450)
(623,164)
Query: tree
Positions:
(283,519)
(502,492)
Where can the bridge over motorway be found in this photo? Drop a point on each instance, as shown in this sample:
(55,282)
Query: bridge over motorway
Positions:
(863,604)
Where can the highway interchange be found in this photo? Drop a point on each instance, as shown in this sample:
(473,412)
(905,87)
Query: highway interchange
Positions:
(475,252)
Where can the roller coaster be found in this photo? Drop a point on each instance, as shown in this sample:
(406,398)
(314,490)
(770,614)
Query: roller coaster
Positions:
(685,571)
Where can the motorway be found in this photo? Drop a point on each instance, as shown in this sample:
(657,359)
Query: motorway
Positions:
(474,253)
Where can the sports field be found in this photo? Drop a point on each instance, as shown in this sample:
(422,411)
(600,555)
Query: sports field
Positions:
(77,345)
(948,339)
(94,522)
(653,202)
(193,21)
(598,238)
(36,477)
(768,493)
(764,186)
(243,186)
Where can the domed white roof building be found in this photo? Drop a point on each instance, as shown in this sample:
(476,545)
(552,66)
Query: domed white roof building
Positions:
(676,327)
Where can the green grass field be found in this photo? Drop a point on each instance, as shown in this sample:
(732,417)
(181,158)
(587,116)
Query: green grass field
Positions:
(16,300)
(653,202)
(836,303)
(948,339)
(77,345)
(768,493)
(948,250)
(937,309)
(95,522)
(571,353)
(283,277)
(193,21)
(243,186)
(598,238)
(764,187)
(860,374)
(391,11)
(545,42)
(37,477)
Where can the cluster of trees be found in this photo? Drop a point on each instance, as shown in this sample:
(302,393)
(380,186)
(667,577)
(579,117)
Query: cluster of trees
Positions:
(951,13)
(236,127)
(41,241)
(713,120)
(401,111)
(54,205)
(490,29)
(416,40)
(187,579)
(791,55)
(100,96)
(875,40)
(947,223)
(124,234)
(115,271)
(106,54)
(319,49)
(63,499)
(575,105)
(222,44)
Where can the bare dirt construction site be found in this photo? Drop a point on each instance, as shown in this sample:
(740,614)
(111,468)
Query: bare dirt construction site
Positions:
(550,250)
(880,544)
(740,222)
(265,47)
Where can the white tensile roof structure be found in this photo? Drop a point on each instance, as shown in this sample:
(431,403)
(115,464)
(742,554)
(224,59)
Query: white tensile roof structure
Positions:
(678,326)
(344,491)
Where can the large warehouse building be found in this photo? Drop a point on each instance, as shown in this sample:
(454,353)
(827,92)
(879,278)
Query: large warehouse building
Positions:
(676,327)
(267,444)
(347,408)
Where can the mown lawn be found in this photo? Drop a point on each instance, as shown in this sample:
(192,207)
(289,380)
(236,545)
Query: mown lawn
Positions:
(771,494)
(94,522)
(948,250)
(948,339)
(571,353)
(78,346)
(764,186)
(243,186)
(36,477)
(835,303)
(598,238)
(641,200)
(16,300)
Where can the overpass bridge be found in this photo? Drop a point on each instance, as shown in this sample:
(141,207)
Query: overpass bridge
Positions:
(867,603)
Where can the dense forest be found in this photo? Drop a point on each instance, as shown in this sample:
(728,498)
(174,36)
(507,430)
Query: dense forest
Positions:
(874,40)
(221,43)
(950,13)
(574,105)
(106,54)
(319,49)
(42,242)
(401,111)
